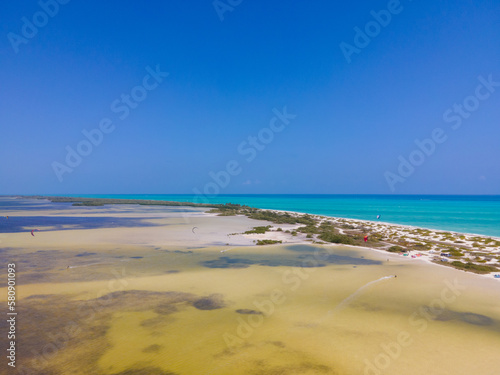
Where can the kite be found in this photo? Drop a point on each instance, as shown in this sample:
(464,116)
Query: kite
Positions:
(192,230)
(38,230)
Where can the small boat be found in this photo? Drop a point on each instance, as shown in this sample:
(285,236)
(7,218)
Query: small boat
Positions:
(413,256)
(497,276)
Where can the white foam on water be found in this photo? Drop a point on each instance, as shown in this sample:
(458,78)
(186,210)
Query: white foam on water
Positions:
(88,265)
(353,296)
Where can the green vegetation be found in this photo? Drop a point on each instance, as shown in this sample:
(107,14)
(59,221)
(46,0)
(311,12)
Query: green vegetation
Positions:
(258,230)
(328,231)
(336,238)
(473,267)
(308,229)
(103,201)
(326,226)
(281,218)
(421,246)
(423,232)
(267,242)
(228,209)
(374,237)
(396,249)
(454,252)
(347,226)
(491,242)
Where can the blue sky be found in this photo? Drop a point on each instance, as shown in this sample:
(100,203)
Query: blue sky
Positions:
(354,121)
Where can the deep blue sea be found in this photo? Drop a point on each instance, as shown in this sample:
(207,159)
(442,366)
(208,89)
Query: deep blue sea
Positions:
(460,213)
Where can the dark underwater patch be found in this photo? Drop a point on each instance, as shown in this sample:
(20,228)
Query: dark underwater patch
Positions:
(308,257)
(41,296)
(152,349)
(262,368)
(165,308)
(466,317)
(278,344)
(80,326)
(140,300)
(17,224)
(470,318)
(85,254)
(226,262)
(249,312)
(145,371)
(326,255)
(154,323)
(211,302)
(476,319)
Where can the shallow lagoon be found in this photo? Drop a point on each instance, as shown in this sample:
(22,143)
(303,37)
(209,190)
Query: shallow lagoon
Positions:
(99,305)
(167,312)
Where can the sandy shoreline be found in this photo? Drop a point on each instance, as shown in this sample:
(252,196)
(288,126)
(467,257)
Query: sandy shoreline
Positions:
(435,250)
(398,230)
(427,256)
(406,226)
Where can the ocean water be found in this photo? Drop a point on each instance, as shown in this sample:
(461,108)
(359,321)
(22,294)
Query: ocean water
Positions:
(460,213)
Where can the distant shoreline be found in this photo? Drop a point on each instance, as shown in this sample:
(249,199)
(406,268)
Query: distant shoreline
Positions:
(467,252)
(86,201)
(454,213)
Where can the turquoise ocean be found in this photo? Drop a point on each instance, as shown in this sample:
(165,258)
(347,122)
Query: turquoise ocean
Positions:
(478,214)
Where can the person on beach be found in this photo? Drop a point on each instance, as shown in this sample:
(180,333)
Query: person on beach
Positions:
(366,238)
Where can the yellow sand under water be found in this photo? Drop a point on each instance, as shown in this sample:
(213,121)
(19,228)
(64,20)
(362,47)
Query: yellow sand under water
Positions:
(316,320)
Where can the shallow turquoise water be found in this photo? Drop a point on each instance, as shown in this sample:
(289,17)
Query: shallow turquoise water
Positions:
(468,214)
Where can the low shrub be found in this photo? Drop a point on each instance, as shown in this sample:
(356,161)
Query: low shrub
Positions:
(336,238)
(267,242)
(258,230)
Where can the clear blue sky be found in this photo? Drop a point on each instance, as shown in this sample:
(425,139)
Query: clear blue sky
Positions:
(353,120)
